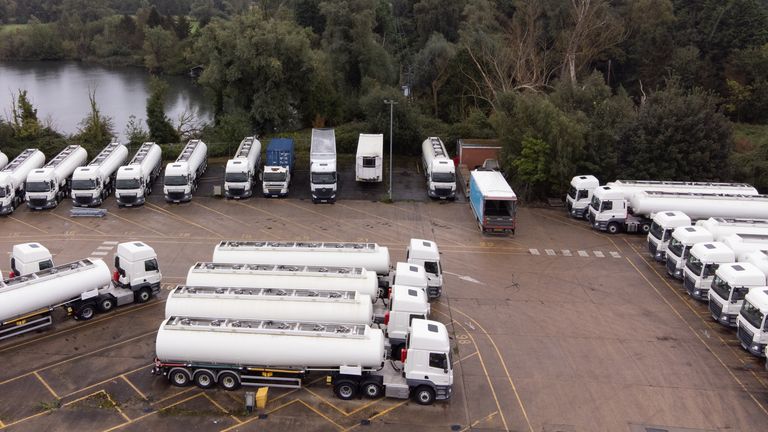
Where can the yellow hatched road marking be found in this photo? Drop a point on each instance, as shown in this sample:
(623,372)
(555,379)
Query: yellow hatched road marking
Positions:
(37,375)
(28,224)
(127,381)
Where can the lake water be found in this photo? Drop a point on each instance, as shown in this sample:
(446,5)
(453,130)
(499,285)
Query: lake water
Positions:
(59,91)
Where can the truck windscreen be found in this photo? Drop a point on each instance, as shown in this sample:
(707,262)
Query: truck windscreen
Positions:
(38,187)
(236,177)
(274,177)
(323,178)
(752,314)
(4,191)
(129,183)
(87,184)
(572,192)
(694,265)
(176,181)
(443,177)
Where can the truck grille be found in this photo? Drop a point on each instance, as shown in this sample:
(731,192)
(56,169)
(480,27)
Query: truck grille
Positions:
(442,192)
(591,217)
(652,249)
(716,308)
(671,266)
(689,284)
(37,202)
(273,191)
(127,199)
(176,195)
(324,193)
(83,200)
(236,191)
(745,336)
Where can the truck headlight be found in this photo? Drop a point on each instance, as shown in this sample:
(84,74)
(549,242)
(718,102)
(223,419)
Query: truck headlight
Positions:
(724,318)
(697,292)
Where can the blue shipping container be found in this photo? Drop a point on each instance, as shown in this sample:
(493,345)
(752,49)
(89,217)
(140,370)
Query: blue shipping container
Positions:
(280,153)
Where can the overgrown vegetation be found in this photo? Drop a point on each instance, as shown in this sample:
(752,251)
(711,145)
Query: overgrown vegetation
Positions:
(616,88)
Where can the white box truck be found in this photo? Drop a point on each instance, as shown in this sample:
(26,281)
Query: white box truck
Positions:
(322,166)
(47,186)
(683,239)
(731,284)
(752,329)
(241,171)
(611,210)
(183,176)
(369,160)
(13,177)
(580,195)
(81,287)
(231,353)
(439,169)
(93,183)
(134,181)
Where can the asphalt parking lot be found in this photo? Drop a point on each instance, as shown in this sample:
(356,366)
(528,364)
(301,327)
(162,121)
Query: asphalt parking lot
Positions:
(557,329)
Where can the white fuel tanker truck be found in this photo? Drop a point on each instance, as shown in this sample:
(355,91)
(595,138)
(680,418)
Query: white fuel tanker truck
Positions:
(47,186)
(81,287)
(232,352)
(93,183)
(405,304)
(369,256)
(13,177)
(183,176)
(134,181)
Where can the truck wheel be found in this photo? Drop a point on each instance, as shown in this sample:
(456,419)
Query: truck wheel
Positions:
(179,377)
(424,395)
(613,228)
(229,381)
(106,304)
(143,295)
(204,379)
(645,228)
(372,390)
(85,312)
(345,389)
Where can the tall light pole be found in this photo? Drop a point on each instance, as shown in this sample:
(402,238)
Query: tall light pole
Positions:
(391,103)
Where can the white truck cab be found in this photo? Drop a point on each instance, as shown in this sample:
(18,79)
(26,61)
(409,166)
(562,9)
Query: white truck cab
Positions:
(406,303)
(412,275)
(664,223)
(439,169)
(608,209)
(683,238)
(580,194)
(29,258)
(427,360)
(136,267)
(700,267)
(752,326)
(731,284)
(426,254)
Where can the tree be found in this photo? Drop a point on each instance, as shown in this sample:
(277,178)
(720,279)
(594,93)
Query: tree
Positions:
(407,133)
(432,65)
(95,130)
(160,128)
(135,132)
(532,165)
(678,135)
(438,16)
(25,123)
(160,49)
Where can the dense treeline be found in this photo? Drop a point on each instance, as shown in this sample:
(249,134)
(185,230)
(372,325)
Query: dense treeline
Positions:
(636,88)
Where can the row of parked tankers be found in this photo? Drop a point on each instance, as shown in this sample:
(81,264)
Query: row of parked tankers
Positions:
(43,185)
(711,236)
(262,313)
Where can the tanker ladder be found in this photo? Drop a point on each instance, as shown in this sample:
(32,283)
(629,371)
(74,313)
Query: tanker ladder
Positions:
(189,149)
(18,160)
(64,154)
(245,148)
(437,147)
(104,154)
(141,154)
(184,291)
(247,245)
(277,268)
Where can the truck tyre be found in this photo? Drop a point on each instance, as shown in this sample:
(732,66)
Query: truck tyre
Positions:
(204,379)
(106,304)
(645,228)
(229,381)
(372,390)
(613,228)
(345,389)
(179,377)
(424,395)
(85,312)
(143,295)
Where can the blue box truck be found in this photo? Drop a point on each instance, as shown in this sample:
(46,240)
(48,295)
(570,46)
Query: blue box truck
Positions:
(278,167)
(493,202)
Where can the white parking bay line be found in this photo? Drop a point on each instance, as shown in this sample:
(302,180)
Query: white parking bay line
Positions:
(109,242)
(566,252)
(598,254)
(534,251)
(550,252)
(105,248)
(99,253)
(615,254)
(583,253)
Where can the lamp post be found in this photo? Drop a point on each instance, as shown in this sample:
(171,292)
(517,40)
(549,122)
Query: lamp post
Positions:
(391,103)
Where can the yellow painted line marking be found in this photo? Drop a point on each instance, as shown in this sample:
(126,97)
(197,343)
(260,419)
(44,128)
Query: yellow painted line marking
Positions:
(679,315)
(151,413)
(86,324)
(127,381)
(503,364)
(255,417)
(78,223)
(321,415)
(104,381)
(364,406)
(25,419)
(185,220)
(325,401)
(146,227)
(485,370)
(222,409)
(185,391)
(28,224)
(34,372)
(117,407)
(299,224)
(232,218)
(477,422)
(2,425)
(386,411)
(467,356)
(37,375)
(705,318)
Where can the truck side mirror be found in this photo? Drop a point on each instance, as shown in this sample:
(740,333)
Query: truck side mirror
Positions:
(261,177)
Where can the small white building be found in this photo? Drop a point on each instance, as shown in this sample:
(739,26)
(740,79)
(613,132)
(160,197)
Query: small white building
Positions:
(370,158)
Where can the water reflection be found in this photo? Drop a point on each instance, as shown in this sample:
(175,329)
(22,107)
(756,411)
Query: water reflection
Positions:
(59,91)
